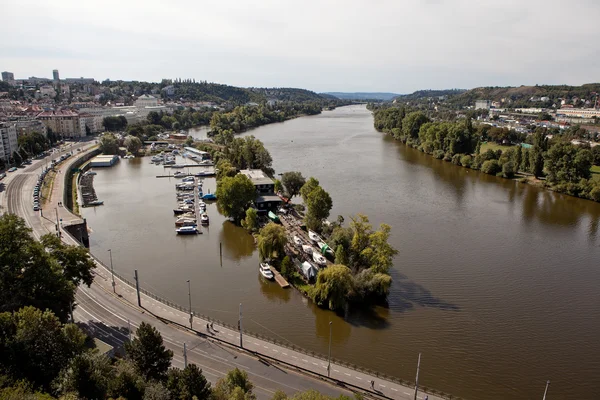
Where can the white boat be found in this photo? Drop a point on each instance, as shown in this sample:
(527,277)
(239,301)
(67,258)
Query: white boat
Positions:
(323,245)
(90,173)
(205,162)
(156,159)
(204,219)
(179,174)
(307,248)
(176,166)
(169,162)
(185,222)
(189,215)
(201,204)
(187,230)
(265,270)
(297,241)
(318,258)
(314,237)
(188,179)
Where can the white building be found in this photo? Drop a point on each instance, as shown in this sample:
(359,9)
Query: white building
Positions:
(8,140)
(483,104)
(579,112)
(169,90)
(48,91)
(64,123)
(93,122)
(146,101)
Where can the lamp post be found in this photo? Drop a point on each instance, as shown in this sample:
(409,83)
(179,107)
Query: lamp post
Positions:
(329,359)
(112,271)
(190,298)
(546,390)
(417,379)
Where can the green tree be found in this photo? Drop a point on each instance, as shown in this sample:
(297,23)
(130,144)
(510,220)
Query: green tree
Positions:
(234,196)
(148,353)
(340,255)
(278,187)
(35,346)
(334,287)
(412,123)
(508,169)
(368,248)
(292,182)
(16,159)
(189,141)
(491,167)
(286,267)
(87,376)
(109,144)
(234,385)
(76,263)
(271,241)
(318,204)
(225,168)
(114,124)
(188,384)
(567,163)
(133,144)
(518,158)
(127,382)
(251,221)
(310,185)
(156,391)
(30,275)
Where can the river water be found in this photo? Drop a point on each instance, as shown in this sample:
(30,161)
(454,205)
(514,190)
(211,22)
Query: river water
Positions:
(495,283)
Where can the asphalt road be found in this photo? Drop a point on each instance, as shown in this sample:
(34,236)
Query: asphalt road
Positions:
(110,317)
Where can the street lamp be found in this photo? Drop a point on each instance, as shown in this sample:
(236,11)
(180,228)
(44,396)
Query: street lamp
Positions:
(546,390)
(329,361)
(112,271)
(190,298)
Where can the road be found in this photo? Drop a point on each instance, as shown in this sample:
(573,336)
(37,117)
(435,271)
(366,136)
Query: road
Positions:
(109,317)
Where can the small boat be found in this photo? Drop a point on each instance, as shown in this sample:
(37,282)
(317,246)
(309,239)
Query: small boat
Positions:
(96,203)
(209,196)
(314,237)
(265,270)
(187,230)
(183,210)
(273,217)
(189,215)
(169,162)
(205,162)
(185,222)
(188,179)
(307,248)
(179,174)
(176,166)
(319,259)
(204,219)
(91,173)
(297,241)
(201,204)
(325,249)
(156,159)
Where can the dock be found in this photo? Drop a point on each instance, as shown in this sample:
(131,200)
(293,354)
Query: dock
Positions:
(280,279)
(178,166)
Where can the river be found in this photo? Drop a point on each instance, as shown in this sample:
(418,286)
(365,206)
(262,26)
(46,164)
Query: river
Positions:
(495,283)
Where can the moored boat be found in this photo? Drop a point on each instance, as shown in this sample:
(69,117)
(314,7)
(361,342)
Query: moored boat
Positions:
(187,230)
(265,270)
(204,219)
(185,222)
(273,217)
(314,237)
(209,196)
(319,259)
(297,241)
(307,248)
(179,174)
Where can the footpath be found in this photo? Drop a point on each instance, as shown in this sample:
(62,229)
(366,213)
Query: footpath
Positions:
(290,356)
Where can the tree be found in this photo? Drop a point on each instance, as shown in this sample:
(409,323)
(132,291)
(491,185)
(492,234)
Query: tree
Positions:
(318,204)
(234,196)
(225,168)
(271,241)
(293,182)
(251,221)
(189,141)
(16,158)
(188,384)
(148,353)
(87,376)
(368,248)
(412,123)
(114,124)
(133,144)
(334,287)
(30,275)
(234,385)
(286,267)
(35,346)
(491,167)
(567,163)
(156,391)
(340,255)
(127,382)
(76,263)
(109,144)
(278,187)
(508,169)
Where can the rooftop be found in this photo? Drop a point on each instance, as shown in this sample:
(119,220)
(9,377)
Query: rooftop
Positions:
(268,198)
(257,176)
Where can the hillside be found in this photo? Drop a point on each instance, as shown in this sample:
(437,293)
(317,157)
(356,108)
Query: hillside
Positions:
(425,94)
(362,95)
(286,94)
(522,96)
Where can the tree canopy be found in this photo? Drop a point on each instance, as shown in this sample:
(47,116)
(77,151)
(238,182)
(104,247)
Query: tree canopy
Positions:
(114,124)
(148,353)
(292,182)
(271,241)
(234,196)
(109,144)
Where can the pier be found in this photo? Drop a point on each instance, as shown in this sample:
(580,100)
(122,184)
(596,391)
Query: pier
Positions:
(280,279)
(176,166)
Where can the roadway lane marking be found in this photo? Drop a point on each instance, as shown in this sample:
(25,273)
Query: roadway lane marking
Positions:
(258,344)
(359,378)
(345,373)
(304,360)
(395,390)
(295,357)
(408,394)
(336,370)
(285,354)
(265,347)
(315,364)
(381,386)
(275,351)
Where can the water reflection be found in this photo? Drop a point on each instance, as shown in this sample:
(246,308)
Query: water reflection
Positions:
(272,291)
(406,294)
(237,243)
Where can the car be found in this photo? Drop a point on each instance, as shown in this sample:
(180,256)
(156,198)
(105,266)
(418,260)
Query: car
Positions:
(36,207)
(2,176)
(13,169)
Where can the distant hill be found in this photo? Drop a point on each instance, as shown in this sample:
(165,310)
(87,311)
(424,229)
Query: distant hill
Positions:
(362,95)
(424,94)
(287,94)
(526,96)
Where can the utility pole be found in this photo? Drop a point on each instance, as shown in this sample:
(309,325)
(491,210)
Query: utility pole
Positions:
(417,379)
(546,390)
(329,360)
(112,271)
(190,298)
(57,225)
(184,356)
(240,327)
(137,287)
(129,329)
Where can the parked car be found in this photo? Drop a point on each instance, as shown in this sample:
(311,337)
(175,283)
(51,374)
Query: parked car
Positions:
(13,169)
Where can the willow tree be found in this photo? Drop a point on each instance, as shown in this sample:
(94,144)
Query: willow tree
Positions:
(271,241)
(334,287)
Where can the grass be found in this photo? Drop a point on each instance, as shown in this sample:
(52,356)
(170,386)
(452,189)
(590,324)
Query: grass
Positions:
(74,194)
(493,146)
(47,186)
(595,172)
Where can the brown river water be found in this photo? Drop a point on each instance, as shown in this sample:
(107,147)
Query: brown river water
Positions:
(496,283)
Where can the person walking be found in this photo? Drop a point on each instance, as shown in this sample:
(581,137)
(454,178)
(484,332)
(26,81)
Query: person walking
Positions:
(373,385)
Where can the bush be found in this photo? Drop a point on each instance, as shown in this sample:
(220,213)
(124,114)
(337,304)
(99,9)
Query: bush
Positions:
(466,161)
(508,169)
(491,167)
(456,159)
(439,154)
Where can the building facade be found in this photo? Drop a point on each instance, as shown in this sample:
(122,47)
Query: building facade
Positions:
(25,126)
(483,104)
(266,199)
(146,101)
(55,76)
(8,77)
(64,124)
(8,140)
(92,122)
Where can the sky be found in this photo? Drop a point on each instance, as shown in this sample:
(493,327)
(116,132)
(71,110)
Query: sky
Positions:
(323,45)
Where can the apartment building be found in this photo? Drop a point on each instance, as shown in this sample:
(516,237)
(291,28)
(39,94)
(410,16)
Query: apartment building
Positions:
(63,123)
(8,140)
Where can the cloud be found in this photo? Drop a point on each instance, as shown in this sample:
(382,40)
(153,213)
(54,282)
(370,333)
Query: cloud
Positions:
(381,45)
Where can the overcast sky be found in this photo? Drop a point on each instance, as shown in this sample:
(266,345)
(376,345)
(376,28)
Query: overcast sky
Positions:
(347,45)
